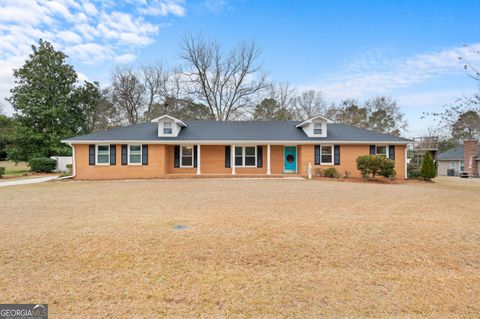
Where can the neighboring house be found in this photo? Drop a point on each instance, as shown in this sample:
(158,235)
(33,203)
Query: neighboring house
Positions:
(171,147)
(463,158)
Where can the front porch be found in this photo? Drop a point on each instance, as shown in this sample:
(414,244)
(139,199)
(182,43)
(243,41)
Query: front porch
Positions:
(231,160)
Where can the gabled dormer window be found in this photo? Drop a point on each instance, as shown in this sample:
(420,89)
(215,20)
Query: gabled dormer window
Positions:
(167,128)
(317,128)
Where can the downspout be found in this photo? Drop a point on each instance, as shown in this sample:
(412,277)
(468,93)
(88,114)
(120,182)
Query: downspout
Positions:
(406,165)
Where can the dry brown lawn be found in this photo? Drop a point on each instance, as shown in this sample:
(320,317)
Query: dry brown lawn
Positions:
(253,248)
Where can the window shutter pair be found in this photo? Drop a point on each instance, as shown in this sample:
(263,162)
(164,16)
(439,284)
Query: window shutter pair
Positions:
(391,151)
(336,155)
(228,156)
(176,156)
(91,154)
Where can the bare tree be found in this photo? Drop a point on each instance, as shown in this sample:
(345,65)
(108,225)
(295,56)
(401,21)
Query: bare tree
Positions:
(155,79)
(128,93)
(226,83)
(103,115)
(384,115)
(310,103)
(472,71)
(284,94)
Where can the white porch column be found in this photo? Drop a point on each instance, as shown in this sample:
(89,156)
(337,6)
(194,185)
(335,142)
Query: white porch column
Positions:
(232,158)
(268,160)
(198,159)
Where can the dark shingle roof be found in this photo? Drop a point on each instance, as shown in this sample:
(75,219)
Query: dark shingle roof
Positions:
(454,154)
(237,131)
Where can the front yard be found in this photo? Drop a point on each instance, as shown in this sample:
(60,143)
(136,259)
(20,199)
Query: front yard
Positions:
(249,248)
(13,169)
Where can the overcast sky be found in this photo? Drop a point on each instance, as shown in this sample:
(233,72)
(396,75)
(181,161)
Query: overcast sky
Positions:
(347,49)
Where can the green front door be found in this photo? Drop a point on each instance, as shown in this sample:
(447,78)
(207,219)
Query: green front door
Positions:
(290,159)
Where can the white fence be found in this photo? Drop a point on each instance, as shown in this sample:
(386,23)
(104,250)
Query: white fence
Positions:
(62,162)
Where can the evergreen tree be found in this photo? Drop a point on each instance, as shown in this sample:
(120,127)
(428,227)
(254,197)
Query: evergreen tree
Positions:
(428,170)
(269,109)
(50,105)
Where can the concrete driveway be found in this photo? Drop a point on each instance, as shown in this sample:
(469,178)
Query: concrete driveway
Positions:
(28,181)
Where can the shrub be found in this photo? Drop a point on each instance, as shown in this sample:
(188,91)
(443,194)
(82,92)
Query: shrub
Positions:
(428,170)
(42,164)
(412,172)
(372,166)
(331,172)
(318,171)
(2,171)
(388,168)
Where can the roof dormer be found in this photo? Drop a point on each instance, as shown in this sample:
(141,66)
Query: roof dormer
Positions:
(315,126)
(169,126)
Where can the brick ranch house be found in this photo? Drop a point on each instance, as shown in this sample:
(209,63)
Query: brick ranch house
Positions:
(168,147)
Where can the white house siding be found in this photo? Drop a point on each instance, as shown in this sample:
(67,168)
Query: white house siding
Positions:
(444,165)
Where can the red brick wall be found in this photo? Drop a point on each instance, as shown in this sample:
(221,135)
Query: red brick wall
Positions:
(160,162)
(470,149)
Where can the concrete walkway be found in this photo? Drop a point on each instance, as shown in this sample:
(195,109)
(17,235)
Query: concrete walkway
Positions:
(28,181)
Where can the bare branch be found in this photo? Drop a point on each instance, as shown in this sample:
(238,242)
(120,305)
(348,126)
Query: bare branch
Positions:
(225,83)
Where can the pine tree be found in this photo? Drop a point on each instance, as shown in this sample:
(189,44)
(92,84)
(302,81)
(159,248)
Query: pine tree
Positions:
(428,170)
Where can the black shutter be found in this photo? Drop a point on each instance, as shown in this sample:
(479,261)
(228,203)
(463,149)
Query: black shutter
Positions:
(372,150)
(91,154)
(113,154)
(144,154)
(259,156)
(227,156)
(124,154)
(317,154)
(336,154)
(176,156)
(391,152)
(195,150)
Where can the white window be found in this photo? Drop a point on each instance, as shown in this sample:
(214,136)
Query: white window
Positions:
(186,156)
(462,166)
(452,164)
(317,128)
(326,154)
(134,154)
(167,128)
(246,156)
(103,154)
(381,150)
